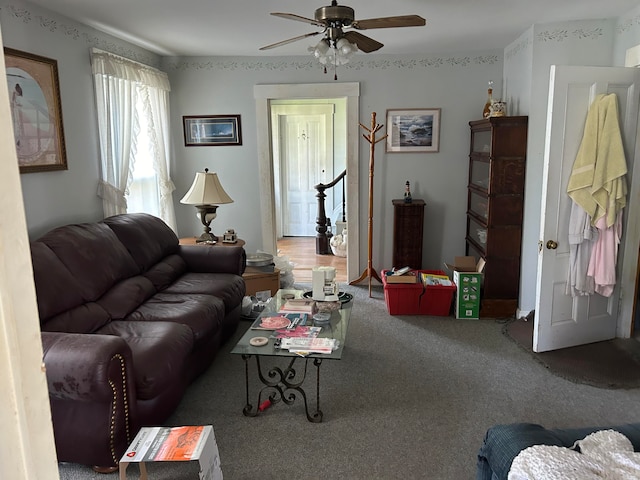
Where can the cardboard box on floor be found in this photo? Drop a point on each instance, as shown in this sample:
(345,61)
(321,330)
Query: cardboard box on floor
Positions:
(174,444)
(467,275)
(257,281)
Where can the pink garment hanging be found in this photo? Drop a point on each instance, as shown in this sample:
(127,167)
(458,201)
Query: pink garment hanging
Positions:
(604,255)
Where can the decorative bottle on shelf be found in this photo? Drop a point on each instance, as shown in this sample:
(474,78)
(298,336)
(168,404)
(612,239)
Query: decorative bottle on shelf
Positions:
(407,193)
(487,106)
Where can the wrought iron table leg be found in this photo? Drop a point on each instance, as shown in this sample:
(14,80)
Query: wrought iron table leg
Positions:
(282,385)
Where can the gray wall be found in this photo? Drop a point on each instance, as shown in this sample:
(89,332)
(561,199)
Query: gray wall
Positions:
(56,198)
(454,82)
(527,63)
(627,35)
(568,43)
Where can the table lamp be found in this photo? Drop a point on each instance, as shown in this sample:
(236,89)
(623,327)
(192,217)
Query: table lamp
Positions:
(206,193)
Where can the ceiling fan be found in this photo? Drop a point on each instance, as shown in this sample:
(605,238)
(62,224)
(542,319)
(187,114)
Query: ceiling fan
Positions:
(333,19)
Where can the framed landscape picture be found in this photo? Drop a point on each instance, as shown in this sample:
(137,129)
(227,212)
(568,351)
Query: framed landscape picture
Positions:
(211,130)
(415,130)
(34,94)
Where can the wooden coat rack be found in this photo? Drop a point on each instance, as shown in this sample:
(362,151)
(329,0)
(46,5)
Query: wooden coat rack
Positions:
(370,272)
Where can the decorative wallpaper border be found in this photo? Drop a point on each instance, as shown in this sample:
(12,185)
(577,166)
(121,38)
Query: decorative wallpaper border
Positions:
(278,64)
(77,32)
(628,24)
(562,34)
(519,47)
(94,38)
(557,35)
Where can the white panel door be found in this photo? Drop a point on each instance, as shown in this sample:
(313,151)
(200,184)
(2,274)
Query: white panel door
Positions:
(306,153)
(561,320)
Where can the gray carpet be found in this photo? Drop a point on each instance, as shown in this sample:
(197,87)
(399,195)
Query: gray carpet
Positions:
(609,364)
(411,398)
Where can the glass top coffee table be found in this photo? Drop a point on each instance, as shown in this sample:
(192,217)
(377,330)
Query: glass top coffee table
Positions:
(285,384)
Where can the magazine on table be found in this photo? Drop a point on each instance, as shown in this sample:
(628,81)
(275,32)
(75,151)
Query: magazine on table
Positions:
(299,331)
(279,320)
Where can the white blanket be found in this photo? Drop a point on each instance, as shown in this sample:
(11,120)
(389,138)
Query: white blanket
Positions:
(604,454)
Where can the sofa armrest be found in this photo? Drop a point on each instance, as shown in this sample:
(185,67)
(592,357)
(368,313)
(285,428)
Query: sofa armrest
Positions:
(219,259)
(502,443)
(92,396)
(87,367)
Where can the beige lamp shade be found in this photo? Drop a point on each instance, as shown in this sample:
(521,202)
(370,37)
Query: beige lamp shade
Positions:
(206,190)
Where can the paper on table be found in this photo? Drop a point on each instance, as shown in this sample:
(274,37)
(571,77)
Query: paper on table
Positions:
(310,345)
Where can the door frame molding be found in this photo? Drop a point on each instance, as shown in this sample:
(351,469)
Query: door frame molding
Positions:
(263,94)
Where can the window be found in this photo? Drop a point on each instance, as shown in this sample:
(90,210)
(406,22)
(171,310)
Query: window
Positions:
(132,102)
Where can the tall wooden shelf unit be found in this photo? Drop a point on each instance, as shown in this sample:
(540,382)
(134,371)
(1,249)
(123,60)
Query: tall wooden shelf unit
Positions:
(408,224)
(495,208)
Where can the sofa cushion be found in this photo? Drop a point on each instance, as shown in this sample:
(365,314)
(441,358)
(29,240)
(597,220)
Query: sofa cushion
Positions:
(85,318)
(57,290)
(159,351)
(165,272)
(146,237)
(229,287)
(93,255)
(202,313)
(125,296)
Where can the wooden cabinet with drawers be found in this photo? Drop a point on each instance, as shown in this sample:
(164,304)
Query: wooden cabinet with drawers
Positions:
(495,205)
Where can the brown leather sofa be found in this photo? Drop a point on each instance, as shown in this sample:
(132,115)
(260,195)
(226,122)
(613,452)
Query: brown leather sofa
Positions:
(129,318)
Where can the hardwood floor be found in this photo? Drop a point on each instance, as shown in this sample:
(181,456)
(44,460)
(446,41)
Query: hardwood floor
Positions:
(301,251)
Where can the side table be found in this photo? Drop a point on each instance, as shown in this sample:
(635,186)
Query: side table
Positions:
(219,243)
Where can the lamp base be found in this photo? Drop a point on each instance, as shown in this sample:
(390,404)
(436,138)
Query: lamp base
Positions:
(207,238)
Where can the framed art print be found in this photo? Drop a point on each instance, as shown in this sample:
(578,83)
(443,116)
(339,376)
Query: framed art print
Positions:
(211,130)
(415,130)
(34,93)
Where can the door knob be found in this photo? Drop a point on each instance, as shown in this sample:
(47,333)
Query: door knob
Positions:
(551,245)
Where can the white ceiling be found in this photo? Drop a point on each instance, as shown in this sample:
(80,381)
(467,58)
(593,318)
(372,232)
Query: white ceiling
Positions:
(241,27)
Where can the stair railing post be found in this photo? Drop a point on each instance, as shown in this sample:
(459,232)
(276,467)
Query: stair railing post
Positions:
(322,242)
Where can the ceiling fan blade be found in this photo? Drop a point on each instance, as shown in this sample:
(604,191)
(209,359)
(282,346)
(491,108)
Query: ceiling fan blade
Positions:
(290,40)
(298,18)
(390,22)
(363,42)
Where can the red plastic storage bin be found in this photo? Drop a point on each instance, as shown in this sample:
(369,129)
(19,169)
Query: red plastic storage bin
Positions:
(418,299)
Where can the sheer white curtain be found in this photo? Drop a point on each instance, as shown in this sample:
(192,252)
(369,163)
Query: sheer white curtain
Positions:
(157,101)
(132,102)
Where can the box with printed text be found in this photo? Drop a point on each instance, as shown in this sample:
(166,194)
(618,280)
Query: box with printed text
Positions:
(467,275)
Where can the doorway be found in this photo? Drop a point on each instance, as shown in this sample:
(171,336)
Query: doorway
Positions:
(301,252)
(264,96)
(304,155)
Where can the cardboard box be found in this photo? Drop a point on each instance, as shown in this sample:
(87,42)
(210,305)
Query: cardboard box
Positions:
(261,281)
(417,298)
(409,277)
(466,264)
(467,275)
(174,444)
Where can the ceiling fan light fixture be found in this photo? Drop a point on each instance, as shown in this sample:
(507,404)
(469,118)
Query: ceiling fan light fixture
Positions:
(340,54)
(341,40)
(345,47)
(321,49)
